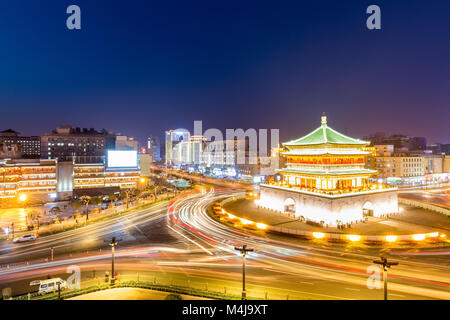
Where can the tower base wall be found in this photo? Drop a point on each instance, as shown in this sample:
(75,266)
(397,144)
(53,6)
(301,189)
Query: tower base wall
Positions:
(330,211)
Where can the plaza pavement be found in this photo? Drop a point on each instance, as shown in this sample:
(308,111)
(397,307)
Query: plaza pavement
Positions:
(410,220)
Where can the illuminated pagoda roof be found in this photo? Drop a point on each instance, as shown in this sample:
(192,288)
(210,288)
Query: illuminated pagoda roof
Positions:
(325,135)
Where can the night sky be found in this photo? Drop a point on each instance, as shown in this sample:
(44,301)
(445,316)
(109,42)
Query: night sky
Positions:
(142,67)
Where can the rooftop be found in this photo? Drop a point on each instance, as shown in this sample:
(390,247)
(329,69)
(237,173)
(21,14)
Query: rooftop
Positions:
(325,135)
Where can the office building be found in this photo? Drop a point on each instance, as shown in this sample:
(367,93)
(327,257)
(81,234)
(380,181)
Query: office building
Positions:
(79,145)
(19,146)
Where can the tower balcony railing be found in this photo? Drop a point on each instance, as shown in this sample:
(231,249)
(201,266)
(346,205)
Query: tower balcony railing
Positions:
(336,191)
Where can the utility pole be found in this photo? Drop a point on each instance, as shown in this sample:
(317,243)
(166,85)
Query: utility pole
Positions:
(113,244)
(243,250)
(386,265)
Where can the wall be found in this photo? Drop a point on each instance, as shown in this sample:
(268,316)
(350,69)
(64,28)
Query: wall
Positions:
(318,208)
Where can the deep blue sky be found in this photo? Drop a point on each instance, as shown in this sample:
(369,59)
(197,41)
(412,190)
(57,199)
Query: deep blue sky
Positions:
(141,67)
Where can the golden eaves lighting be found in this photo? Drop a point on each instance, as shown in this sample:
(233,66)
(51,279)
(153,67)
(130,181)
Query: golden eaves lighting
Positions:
(261,226)
(353,237)
(318,235)
(391,238)
(418,237)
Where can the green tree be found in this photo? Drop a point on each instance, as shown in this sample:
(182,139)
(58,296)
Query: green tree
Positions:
(96,201)
(113,198)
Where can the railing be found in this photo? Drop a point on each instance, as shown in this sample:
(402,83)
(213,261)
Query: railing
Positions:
(216,289)
(423,205)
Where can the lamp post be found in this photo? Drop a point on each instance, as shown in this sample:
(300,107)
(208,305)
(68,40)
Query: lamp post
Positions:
(386,265)
(113,244)
(243,250)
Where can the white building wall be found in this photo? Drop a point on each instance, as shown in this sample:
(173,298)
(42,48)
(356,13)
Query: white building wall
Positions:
(348,209)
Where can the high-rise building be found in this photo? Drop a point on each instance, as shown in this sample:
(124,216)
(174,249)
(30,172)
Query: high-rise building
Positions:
(188,152)
(73,144)
(126,143)
(24,147)
(154,148)
(174,137)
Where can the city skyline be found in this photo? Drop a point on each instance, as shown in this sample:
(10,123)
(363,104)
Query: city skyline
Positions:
(217,152)
(236,70)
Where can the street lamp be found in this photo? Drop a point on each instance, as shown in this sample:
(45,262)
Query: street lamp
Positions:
(22,197)
(113,244)
(386,265)
(243,250)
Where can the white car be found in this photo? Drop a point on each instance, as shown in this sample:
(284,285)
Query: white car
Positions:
(27,237)
(51,285)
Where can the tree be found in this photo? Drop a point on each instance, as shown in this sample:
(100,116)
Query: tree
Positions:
(113,198)
(125,194)
(96,201)
(76,205)
(33,218)
(85,200)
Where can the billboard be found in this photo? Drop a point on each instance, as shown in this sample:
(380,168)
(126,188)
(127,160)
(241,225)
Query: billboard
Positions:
(122,159)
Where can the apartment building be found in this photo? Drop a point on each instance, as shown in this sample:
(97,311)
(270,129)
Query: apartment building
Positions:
(74,144)
(28,176)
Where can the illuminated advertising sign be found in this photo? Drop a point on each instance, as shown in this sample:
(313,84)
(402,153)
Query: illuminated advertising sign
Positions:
(122,159)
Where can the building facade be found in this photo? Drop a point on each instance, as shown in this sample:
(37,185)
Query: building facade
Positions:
(28,176)
(154,148)
(74,144)
(95,175)
(406,167)
(174,137)
(21,146)
(126,143)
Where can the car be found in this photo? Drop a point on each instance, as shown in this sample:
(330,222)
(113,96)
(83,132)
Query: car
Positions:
(27,237)
(51,285)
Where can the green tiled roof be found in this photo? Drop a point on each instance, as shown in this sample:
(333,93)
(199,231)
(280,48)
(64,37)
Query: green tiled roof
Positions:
(325,134)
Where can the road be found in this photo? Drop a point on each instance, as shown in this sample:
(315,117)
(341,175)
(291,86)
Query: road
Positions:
(179,243)
(439,197)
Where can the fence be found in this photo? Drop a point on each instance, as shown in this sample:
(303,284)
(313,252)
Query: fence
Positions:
(215,289)
(423,205)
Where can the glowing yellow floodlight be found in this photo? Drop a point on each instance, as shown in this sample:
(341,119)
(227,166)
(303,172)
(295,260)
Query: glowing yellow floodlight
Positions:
(418,237)
(261,226)
(391,238)
(353,237)
(318,235)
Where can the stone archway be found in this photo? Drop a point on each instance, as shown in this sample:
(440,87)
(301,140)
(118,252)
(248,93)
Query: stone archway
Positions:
(367,209)
(289,206)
